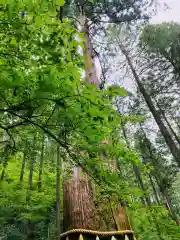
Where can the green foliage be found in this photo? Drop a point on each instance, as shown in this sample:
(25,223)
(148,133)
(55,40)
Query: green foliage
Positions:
(17,213)
(174,190)
(161,37)
(114,11)
(42,93)
(153,223)
(163,40)
(41,82)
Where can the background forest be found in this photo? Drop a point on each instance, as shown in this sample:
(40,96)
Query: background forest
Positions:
(57,127)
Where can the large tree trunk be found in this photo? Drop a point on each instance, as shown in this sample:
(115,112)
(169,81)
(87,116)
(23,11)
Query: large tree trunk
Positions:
(164,131)
(79,207)
(122,219)
(89,56)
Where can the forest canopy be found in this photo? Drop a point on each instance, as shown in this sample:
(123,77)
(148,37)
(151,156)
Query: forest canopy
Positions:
(74,144)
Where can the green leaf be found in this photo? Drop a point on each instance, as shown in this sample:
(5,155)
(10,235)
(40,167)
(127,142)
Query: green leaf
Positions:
(115,90)
(3,1)
(38,21)
(13,42)
(60,2)
(10,10)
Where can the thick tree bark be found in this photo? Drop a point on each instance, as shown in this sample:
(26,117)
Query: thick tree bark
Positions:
(122,219)
(58,208)
(23,163)
(164,131)
(79,208)
(41,166)
(89,56)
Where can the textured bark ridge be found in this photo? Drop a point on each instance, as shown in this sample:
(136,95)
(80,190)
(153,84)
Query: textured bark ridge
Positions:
(80,210)
(90,66)
(79,207)
(122,220)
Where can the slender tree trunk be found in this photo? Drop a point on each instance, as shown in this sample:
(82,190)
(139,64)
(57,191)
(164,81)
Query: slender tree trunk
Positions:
(158,181)
(23,163)
(58,209)
(166,197)
(168,124)
(136,169)
(141,184)
(178,125)
(5,162)
(30,230)
(41,166)
(4,168)
(171,129)
(170,207)
(31,169)
(154,189)
(138,176)
(164,131)
(31,225)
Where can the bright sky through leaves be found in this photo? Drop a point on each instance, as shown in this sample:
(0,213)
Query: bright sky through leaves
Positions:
(168,11)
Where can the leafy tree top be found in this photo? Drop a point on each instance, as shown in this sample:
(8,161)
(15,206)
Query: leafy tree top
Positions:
(100,11)
(163,40)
